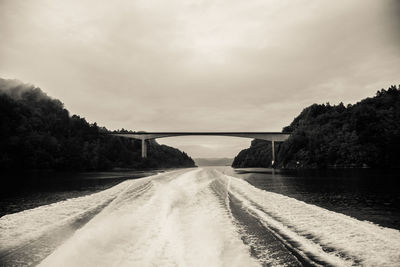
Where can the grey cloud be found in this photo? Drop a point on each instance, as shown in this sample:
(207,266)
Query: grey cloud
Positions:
(200,65)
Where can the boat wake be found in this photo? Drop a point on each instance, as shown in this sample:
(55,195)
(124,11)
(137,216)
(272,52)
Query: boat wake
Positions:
(195,217)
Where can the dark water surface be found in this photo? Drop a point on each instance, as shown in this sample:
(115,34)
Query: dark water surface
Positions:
(371,195)
(21,191)
(177,217)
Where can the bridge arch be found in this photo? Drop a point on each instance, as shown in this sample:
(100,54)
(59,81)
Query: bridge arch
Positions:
(268,136)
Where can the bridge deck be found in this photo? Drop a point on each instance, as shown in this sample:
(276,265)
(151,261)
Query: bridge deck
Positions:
(269,136)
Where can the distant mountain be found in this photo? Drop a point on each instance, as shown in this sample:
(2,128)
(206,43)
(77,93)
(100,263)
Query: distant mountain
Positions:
(37,132)
(364,134)
(213,161)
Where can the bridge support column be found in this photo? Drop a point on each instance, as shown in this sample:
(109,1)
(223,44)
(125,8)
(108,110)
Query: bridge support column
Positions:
(273,153)
(144,148)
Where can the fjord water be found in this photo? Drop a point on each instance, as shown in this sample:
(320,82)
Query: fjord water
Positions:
(26,190)
(366,194)
(194,217)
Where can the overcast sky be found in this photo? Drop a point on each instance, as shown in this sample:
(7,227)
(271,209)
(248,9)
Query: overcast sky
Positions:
(192,65)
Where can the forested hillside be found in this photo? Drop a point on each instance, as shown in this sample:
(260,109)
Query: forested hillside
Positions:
(364,134)
(37,132)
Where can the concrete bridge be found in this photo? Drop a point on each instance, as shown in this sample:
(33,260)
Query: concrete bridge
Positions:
(268,136)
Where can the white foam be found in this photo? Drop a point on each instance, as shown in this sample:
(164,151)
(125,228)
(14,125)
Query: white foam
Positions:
(313,228)
(19,229)
(182,218)
(178,222)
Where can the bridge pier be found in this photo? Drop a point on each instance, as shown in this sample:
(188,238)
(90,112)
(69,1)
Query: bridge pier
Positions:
(273,153)
(144,148)
(268,136)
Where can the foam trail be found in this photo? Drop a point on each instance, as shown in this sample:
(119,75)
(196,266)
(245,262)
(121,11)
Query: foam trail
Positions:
(316,234)
(27,237)
(192,217)
(179,221)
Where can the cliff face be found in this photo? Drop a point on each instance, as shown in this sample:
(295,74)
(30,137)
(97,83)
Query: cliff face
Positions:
(37,132)
(364,134)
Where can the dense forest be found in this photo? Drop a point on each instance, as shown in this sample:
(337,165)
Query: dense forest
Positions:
(366,134)
(37,133)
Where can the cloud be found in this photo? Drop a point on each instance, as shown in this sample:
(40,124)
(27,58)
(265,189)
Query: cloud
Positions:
(200,65)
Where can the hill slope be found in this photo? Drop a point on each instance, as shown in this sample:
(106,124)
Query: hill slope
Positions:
(364,134)
(37,132)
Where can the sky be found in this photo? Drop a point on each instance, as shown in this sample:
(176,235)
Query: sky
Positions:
(192,65)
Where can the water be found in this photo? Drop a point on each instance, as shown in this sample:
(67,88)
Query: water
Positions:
(21,191)
(365,194)
(196,217)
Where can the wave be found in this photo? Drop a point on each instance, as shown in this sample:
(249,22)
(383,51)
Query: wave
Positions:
(195,217)
(318,235)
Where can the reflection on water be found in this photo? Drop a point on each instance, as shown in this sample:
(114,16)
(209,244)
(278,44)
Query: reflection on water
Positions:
(365,194)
